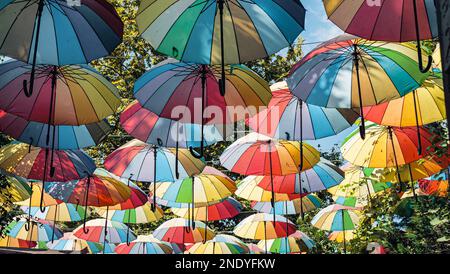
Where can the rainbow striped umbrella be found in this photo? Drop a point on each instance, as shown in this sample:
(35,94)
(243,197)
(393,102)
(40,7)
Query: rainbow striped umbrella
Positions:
(18,189)
(144,245)
(66,137)
(58,32)
(262,226)
(70,95)
(58,213)
(323,175)
(139,215)
(69,243)
(164,165)
(226,209)
(336,218)
(152,129)
(384,71)
(7,241)
(38,198)
(289,118)
(32,230)
(298,242)
(231,239)
(248,189)
(178,91)
(178,231)
(100,230)
(396,21)
(216,247)
(293,207)
(220,32)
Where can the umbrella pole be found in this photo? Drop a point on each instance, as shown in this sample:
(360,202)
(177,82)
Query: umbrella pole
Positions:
(206,225)
(200,155)
(129,216)
(54,224)
(362,127)
(51,118)
(301,160)
(222,81)
(177,173)
(368,191)
(29,92)
(106,229)
(419,48)
(27,225)
(287,226)
(395,159)
(155,156)
(412,182)
(343,231)
(265,237)
(86,197)
(41,203)
(419,137)
(272,200)
(193,204)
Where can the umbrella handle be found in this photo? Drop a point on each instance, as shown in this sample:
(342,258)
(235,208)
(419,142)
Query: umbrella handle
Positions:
(41,203)
(177,173)
(195,154)
(419,48)
(222,81)
(128,236)
(86,230)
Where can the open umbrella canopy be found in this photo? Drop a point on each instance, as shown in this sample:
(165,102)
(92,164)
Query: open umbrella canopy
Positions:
(115,232)
(226,209)
(289,118)
(201,190)
(172,89)
(231,239)
(139,215)
(57,213)
(326,76)
(336,218)
(293,207)
(66,137)
(70,243)
(36,232)
(144,245)
(7,241)
(69,34)
(388,21)
(248,189)
(37,196)
(152,129)
(298,242)
(322,176)
(385,146)
(178,231)
(17,189)
(436,185)
(215,246)
(338,236)
(262,226)
(28,162)
(79,95)
(253,153)
(128,162)
(190,30)
(427,102)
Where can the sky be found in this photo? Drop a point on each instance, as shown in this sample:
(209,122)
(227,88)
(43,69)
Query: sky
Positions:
(319,29)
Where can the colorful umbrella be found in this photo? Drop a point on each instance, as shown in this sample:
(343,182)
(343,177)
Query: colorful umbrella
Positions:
(384,71)
(427,103)
(262,226)
(152,129)
(66,137)
(35,232)
(289,118)
(435,185)
(220,32)
(139,215)
(178,91)
(58,33)
(57,213)
(322,176)
(336,218)
(69,243)
(174,231)
(339,236)
(231,239)
(395,21)
(298,242)
(98,231)
(293,207)
(70,95)
(217,247)
(226,209)
(6,241)
(128,161)
(248,189)
(144,245)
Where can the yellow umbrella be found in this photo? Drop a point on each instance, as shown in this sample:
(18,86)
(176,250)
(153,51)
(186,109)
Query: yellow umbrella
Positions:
(8,241)
(217,247)
(339,236)
(139,215)
(248,189)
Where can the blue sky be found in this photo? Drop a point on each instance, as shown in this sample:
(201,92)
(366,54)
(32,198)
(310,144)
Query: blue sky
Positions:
(319,29)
